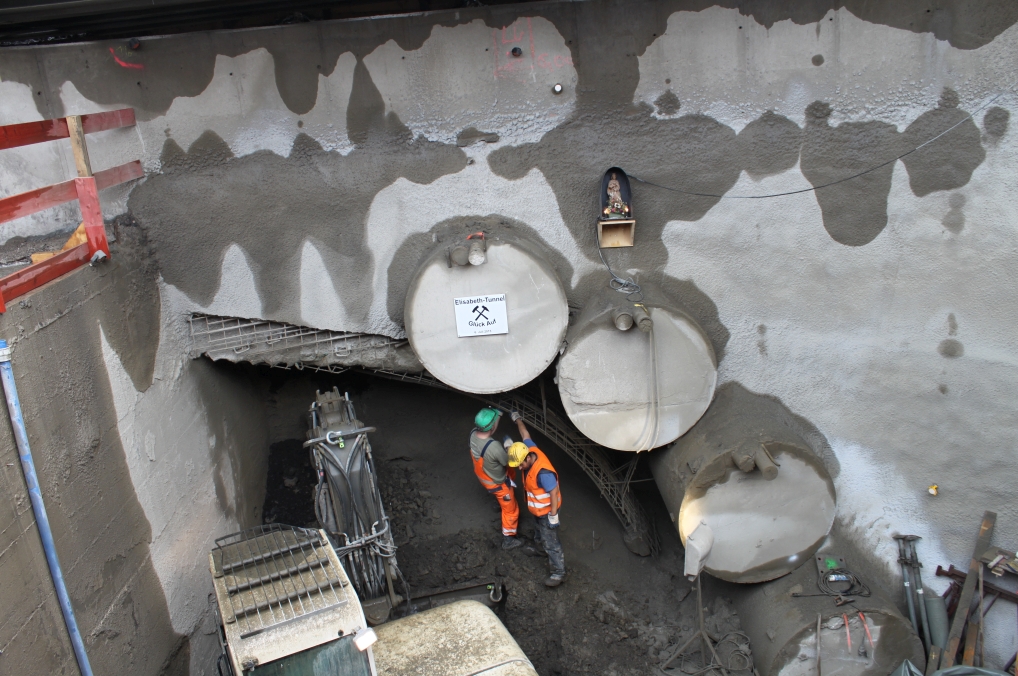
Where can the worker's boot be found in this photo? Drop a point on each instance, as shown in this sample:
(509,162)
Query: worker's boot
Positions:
(509,542)
(555,579)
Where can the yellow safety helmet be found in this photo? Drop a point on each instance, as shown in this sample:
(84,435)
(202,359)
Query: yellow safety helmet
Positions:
(518,452)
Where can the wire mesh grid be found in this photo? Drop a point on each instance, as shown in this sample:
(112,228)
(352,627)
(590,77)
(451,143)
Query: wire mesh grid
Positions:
(211,333)
(275,574)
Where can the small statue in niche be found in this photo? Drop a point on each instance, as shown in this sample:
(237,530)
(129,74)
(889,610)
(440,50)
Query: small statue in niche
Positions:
(616,207)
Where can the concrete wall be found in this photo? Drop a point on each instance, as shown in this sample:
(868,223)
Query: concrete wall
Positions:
(143,456)
(297,173)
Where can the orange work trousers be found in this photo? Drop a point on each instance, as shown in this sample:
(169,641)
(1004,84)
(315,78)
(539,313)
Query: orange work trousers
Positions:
(506,497)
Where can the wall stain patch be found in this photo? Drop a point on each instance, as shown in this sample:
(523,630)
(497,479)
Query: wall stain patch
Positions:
(855,211)
(769,145)
(948,163)
(951,348)
(693,152)
(954,219)
(269,205)
(995,122)
(668,103)
(471,135)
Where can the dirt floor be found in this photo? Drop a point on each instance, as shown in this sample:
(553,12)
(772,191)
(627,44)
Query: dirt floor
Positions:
(617,613)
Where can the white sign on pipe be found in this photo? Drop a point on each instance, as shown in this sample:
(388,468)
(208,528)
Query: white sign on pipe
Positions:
(481,315)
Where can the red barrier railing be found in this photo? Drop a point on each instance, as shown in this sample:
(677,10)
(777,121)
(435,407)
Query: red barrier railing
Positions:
(85,189)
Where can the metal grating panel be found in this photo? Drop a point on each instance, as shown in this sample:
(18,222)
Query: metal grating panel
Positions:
(211,333)
(275,574)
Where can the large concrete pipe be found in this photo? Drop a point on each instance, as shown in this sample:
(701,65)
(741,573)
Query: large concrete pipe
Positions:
(783,628)
(486,315)
(754,473)
(635,376)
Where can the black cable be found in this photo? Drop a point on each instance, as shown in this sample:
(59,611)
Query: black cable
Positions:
(856,587)
(825,185)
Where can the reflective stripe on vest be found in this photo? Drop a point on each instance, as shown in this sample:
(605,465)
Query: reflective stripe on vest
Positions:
(538,499)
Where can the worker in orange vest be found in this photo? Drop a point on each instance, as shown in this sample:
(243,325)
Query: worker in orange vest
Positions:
(490,460)
(544,497)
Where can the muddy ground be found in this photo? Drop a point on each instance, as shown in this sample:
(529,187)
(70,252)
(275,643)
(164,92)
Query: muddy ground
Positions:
(616,614)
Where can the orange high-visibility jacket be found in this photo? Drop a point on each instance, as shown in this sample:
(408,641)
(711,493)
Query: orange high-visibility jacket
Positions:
(538,499)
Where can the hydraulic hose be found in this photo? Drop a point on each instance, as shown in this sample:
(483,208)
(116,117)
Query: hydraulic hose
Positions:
(39,508)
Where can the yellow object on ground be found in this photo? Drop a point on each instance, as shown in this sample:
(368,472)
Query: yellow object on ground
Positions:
(77,238)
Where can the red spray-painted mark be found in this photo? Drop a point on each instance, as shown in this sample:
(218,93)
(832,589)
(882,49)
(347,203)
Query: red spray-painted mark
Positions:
(125,64)
(512,66)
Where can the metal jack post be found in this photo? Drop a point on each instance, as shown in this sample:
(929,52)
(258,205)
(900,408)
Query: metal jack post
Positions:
(707,651)
(906,579)
(910,541)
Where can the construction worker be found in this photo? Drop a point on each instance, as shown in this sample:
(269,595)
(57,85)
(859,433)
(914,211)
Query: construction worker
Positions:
(544,497)
(490,460)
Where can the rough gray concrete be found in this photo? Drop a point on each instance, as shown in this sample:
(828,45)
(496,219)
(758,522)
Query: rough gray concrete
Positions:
(102,535)
(294,173)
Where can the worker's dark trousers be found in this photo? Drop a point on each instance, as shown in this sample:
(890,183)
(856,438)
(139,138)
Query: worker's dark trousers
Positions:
(548,538)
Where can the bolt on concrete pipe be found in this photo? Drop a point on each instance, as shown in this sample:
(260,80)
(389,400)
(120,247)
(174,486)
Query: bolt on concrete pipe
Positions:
(754,473)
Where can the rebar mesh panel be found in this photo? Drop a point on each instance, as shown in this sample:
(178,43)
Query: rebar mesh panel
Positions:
(275,574)
(212,333)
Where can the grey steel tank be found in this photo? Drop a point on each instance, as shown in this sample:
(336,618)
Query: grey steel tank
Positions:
(486,314)
(755,474)
(637,373)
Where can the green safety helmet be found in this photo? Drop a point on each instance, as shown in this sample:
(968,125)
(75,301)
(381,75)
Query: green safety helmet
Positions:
(486,419)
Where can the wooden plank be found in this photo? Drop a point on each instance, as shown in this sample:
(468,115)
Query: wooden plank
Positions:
(92,215)
(78,146)
(32,201)
(27,133)
(123,173)
(967,591)
(113,119)
(21,282)
(968,656)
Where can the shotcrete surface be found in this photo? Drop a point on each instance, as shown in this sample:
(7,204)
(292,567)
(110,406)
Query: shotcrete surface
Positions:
(290,175)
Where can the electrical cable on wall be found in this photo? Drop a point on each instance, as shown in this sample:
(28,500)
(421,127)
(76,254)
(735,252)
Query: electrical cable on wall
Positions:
(825,185)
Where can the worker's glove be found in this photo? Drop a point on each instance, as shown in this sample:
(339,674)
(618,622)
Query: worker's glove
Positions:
(512,484)
(515,415)
(553,520)
(507,442)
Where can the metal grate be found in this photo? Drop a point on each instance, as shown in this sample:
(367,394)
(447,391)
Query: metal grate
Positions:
(275,574)
(213,334)
(588,455)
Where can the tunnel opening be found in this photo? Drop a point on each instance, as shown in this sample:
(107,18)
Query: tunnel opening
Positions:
(617,613)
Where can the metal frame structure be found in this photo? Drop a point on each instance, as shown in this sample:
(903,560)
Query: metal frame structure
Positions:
(229,337)
(85,189)
(275,575)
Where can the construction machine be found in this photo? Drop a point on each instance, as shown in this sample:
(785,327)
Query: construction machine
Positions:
(314,601)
